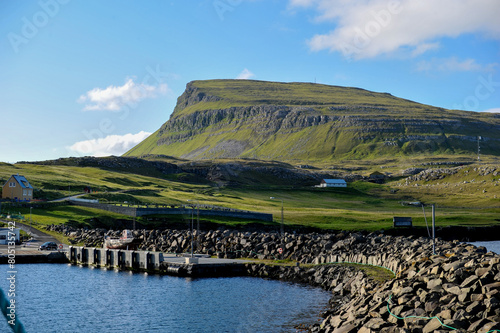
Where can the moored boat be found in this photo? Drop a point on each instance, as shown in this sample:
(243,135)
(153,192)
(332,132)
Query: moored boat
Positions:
(125,241)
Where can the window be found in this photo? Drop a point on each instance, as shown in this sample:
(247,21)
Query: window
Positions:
(29,193)
(12,184)
(3,236)
(25,192)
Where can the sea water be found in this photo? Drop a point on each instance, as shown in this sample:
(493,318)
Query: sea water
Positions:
(493,246)
(66,298)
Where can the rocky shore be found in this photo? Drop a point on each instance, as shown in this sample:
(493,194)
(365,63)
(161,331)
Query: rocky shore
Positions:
(457,289)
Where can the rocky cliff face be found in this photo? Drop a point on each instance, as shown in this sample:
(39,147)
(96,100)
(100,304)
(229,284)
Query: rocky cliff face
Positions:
(288,126)
(191,96)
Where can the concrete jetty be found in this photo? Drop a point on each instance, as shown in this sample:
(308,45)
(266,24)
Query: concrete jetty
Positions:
(155,262)
(138,261)
(119,259)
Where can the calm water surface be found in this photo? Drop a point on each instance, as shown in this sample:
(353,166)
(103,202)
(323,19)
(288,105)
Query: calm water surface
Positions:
(493,246)
(64,298)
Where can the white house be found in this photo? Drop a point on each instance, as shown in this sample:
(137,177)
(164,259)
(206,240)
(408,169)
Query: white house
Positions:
(333,183)
(4,235)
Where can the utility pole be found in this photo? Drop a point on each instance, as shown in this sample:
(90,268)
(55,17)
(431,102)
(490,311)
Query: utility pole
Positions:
(433,229)
(197,221)
(282,232)
(198,227)
(282,224)
(282,227)
(192,222)
(135,215)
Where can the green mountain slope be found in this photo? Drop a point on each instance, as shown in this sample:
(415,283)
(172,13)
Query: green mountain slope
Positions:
(312,122)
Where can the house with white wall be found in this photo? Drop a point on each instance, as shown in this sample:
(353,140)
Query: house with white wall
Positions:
(333,183)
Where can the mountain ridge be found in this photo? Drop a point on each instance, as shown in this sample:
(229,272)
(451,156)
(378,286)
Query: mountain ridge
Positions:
(312,122)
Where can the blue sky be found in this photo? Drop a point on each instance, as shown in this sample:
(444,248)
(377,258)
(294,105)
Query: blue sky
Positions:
(96,77)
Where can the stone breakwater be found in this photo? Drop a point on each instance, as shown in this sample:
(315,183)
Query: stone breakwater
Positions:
(458,288)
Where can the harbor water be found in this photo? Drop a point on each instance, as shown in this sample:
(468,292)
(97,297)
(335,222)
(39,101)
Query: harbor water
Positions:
(493,246)
(65,298)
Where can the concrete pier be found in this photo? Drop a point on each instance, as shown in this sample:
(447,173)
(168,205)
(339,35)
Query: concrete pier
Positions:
(110,258)
(137,261)
(155,262)
(202,266)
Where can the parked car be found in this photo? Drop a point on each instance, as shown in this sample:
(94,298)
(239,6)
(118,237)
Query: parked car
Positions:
(48,246)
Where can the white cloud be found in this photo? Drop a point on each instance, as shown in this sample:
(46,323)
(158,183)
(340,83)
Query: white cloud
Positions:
(110,145)
(245,75)
(301,3)
(494,110)
(422,48)
(453,65)
(113,98)
(369,28)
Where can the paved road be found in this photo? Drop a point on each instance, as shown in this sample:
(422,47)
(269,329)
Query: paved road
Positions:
(76,196)
(39,238)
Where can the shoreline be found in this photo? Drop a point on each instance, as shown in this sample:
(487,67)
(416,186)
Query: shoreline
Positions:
(460,284)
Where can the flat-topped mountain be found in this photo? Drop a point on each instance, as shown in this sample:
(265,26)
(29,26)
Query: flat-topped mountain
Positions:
(312,122)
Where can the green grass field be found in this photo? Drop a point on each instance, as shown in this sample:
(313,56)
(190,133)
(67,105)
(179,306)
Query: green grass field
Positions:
(361,206)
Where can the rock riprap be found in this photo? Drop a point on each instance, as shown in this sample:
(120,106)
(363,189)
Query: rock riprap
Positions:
(456,289)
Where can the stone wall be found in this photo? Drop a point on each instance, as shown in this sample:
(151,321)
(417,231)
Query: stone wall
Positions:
(129,211)
(133,211)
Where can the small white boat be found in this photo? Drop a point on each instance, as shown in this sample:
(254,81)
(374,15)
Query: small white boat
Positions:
(125,241)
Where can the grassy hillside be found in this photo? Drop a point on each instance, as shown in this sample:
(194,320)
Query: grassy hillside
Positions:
(298,122)
(235,93)
(362,205)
